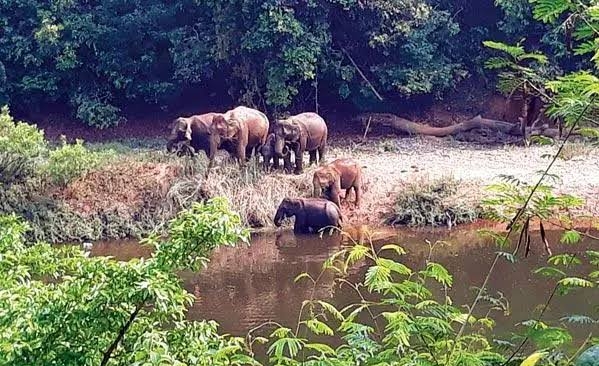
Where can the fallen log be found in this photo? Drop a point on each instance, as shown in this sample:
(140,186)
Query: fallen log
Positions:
(408,127)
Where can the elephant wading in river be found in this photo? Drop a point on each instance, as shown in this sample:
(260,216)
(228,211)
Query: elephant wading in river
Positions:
(244,129)
(196,131)
(302,132)
(337,175)
(311,214)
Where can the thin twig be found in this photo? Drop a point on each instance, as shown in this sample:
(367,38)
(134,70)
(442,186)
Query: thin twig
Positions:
(532,192)
(367,128)
(362,74)
(122,332)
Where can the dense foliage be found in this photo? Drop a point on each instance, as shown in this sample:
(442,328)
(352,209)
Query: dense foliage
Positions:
(104,56)
(58,306)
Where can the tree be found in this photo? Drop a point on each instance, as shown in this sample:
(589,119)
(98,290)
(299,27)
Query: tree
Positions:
(59,306)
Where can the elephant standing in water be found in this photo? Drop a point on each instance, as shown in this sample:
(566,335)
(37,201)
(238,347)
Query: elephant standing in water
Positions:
(339,174)
(196,131)
(311,214)
(302,132)
(244,129)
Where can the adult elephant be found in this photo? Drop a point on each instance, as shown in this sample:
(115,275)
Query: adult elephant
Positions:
(245,129)
(339,174)
(311,214)
(194,129)
(302,132)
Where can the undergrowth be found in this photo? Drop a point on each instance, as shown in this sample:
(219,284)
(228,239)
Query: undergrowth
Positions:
(431,202)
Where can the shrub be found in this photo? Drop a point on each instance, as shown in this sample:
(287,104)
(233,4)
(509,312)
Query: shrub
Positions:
(433,203)
(21,146)
(98,311)
(73,160)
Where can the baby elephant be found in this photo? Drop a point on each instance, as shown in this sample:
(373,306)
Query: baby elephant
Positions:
(268,153)
(337,175)
(311,214)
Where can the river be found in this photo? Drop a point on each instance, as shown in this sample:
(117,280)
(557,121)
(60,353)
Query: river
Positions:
(245,286)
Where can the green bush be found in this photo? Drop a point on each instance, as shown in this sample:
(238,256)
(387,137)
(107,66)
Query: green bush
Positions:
(21,147)
(73,160)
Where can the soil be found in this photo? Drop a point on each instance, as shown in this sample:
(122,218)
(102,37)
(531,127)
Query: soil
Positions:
(123,188)
(391,163)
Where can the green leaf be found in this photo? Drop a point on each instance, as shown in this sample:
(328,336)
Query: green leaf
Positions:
(357,253)
(548,11)
(533,359)
(303,275)
(550,272)
(396,248)
(377,278)
(570,237)
(439,273)
(323,349)
(394,266)
(331,309)
(317,327)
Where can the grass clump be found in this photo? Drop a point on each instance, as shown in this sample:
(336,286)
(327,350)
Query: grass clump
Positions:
(250,191)
(432,203)
(70,161)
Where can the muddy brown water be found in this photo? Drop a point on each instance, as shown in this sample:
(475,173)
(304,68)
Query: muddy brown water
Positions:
(246,286)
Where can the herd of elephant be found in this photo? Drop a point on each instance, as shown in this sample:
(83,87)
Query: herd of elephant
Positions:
(244,132)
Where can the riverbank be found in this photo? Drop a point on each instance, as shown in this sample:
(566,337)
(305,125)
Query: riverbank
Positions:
(441,177)
(125,187)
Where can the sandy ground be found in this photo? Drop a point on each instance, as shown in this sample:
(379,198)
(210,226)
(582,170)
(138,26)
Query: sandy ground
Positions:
(391,162)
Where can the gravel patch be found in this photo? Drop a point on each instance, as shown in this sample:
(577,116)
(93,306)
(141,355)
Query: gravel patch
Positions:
(390,162)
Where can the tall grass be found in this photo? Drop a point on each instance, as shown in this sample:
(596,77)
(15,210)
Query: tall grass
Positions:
(251,192)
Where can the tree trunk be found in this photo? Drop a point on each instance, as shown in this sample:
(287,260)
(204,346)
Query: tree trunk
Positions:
(405,126)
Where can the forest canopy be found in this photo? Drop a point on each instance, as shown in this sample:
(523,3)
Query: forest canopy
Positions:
(102,57)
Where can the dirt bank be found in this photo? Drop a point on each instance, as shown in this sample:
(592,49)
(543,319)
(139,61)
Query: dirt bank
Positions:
(390,166)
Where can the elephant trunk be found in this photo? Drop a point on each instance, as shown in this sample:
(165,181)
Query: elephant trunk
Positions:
(280,216)
(317,188)
(170,145)
(281,148)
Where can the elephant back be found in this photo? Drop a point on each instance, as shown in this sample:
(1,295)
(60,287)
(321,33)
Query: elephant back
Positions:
(256,122)
(314,126)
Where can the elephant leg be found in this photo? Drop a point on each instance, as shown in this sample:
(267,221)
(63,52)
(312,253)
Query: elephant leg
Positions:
(300,227)
(299,163)
(321,154)
(287,166)
(312,157)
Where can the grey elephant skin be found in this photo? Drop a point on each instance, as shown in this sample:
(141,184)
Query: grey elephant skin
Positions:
(311,214)
(302,132)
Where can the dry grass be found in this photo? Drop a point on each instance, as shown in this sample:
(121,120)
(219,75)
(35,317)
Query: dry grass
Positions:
(576,150)
(423,202)
(251,192)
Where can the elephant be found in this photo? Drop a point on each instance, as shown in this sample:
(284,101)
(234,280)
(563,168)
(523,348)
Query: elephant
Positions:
(311,214)
(195,130)
(268,153)
(303,132)
(337,175)
(245,129)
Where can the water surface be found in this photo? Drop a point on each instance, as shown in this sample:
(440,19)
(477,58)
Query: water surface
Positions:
(246,286)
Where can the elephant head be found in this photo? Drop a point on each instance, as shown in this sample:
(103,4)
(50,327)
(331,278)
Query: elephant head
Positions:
(286,130)
(323,180)
(288,208)
(181,131)
(226,127)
